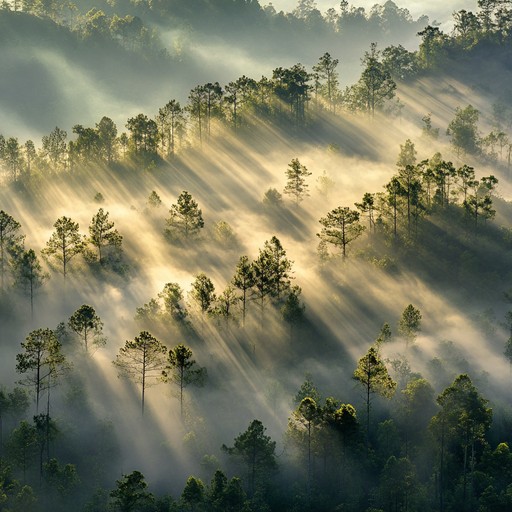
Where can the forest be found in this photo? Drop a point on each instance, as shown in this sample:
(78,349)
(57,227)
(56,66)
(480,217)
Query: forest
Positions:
(277,281)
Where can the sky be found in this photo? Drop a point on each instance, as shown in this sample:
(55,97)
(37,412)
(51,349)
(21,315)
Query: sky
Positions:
(439,10)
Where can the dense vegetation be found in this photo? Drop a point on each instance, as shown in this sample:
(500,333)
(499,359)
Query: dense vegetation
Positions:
(303,365)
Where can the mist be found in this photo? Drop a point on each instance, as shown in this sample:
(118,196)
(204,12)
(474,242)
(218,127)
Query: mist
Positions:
(454,274)
(67,64)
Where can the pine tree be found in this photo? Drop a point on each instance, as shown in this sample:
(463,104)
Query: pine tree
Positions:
(244,281)
(296,185)
(29,275)
(182,370)
(142,360)
(102,233)
(410,324)
(372,374)
(88,326)
(65,243)
(341,227)
(10,239)
(42,361)
(186,218)
(257,452)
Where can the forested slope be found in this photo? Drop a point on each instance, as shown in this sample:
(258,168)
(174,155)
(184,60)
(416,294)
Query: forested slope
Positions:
(273,293)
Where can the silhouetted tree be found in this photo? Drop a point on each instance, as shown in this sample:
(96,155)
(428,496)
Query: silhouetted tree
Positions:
(340,227)
(131,493)
(142,360)
(462,422)
(172,298)
(182,370)
(171,121)
(293,310)
(257,452)
(463,130)
(410,324)
(42,361)
(193,495)
(301,429)
(367,205)
(65,243)
(186,217)
(375,85)
(88,326)
(102,233)
(143,135)
(296,180)
(29,275)
(203,293)
(54,148)
(107,134)
(244,281)
(372,374)
(10,239)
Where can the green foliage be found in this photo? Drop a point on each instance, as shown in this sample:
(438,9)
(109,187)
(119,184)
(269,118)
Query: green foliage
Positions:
(428,130)
(102,234)
(464,413)
(293,310)
(223,234)
(372,374)
(22,446)
(407,155)
(148,312)
(341,227)
(384,336)
(327,80)
(257,452)
(54,149)
(131,493)
(203,293)
(65,243)
(478,202)
(271,273)
(10,239)
(88,326)
(296,185)
(243,280)
(193,495)
(398,482)
(463,129)
(186,218)
(307,390)
(13,404)
(182,370)
(171,122)
(142,360)
(172,298)
(367,206)
(432,47)
(374,87)
(41,361)
(410,323)
(62,478)
(28,274)
(400,63)
(416,406)
(225,304)
(143,136)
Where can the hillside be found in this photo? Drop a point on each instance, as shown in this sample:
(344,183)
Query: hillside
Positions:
(273,294)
